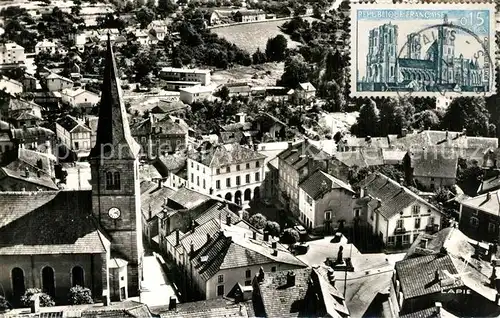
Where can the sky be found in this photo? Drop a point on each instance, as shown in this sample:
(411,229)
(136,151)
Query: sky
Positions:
(408,21)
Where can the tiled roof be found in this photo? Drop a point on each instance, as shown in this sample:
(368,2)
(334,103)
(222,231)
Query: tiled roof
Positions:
(171,238)
(307,86)
(298,155)
(165,125)
(433,312)
(69,123)
(228,250)
(217,211)
(113,127)
(43,180)
(147,186)
(433,163)
(4,125)
(25,115)
(198,236)
(155,200)
(488,202)
(490,184)
(169,107)
(361,158)
(417,276)
(21,104)
(31,132)
(394,197)
(212,308)
(170,164)
(320,183)
(453,240)
(188,198)
(222,155)
(48,223)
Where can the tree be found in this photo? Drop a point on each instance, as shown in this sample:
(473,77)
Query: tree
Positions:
(223,93)
(166,7)
(273,228)
(139,3)
(297,71)
(45,300)
(259,57)
(468,113)
(469,176)
(427,119)
(151,4)
(276,48)
(79,295)
(144,16)
(290,236)
(258,221)
(367,121)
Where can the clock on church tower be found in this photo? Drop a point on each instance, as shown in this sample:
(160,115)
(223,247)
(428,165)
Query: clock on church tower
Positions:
(115,182)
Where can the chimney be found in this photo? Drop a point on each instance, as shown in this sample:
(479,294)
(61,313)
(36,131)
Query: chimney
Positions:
(38,173)
(27,172)
(274,244)
(436,276)
(290,278)
(192,248)
(447,134)
(177,237)
(228,219)
(274,253)
(172,305)
(290,144)
(266,236)
(404,132)
(488,196)
(150,212)
(464,132)
(310,165)
(497,299)
(261,274)
(192,227)
(35,303)
(438,307)
(209,238)
(493,277)
(254,236)
(48,147)
(362,191)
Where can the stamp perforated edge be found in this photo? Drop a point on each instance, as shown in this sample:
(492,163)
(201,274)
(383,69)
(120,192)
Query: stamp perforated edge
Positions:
(354,5)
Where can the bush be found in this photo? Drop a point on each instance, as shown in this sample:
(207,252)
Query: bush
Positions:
(273,228)
(79,295)
(258,221)
(45,300)
(290,236)
(4,304)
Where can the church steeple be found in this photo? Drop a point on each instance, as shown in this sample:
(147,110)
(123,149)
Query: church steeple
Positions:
(113,131)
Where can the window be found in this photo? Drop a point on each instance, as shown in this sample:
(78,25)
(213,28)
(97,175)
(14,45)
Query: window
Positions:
(198,180)
(257,164)
(237,167)
(406,239)
(198,167)
(18,285)
(474,221)
(192,164)
(192,177)
(77,276)
(220,279)
(399,224)
(328,215)
(390,240)
(491,227)
(204,184)
(248,273)
(415,209)
(248,283)
(357,212)
(257,176)
(217,184)
(217,171)
(273,269)
(112,181)
(309,200)
(238,180)
(417,223)
(248,165)
(228,169)
(247,178)
(431,220)
(228,182)
(220,290)
(48,281)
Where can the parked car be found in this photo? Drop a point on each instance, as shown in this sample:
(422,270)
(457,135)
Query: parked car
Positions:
(300,249)
(299,228)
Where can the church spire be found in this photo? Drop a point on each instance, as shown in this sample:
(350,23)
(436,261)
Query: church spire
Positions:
(113,138)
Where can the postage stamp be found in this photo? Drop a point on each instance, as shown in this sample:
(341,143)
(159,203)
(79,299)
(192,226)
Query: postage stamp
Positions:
(423,49)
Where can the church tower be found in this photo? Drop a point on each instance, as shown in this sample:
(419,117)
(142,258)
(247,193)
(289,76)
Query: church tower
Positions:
(114,164)
(446,52)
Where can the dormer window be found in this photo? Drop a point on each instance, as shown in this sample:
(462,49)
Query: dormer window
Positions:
(112,180)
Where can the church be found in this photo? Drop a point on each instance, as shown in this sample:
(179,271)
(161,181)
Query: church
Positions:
(440,68)
(54,240)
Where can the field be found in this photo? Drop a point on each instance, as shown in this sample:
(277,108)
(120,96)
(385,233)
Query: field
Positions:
(252,36)
(255,75)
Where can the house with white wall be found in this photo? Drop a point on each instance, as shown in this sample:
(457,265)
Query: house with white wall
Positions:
(56,82)
(80,98)
(75,134)
(325,202)
(230,171)
(11,53)
(393,212)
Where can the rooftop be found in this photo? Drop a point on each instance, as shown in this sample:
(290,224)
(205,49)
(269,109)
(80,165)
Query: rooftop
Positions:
(219,307)
(320,183)
(228,154)
(433,163)
(488,202)
(184,70)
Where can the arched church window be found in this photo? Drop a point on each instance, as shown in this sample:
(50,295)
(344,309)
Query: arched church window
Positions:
(116,180)
(109,180)
(18,286)
(48,281)
(77,276)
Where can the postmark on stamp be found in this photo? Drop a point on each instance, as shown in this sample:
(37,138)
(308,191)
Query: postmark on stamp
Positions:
(423,49)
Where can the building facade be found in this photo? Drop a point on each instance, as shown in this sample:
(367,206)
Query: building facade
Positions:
(479,217)
(186,75)
(11,54)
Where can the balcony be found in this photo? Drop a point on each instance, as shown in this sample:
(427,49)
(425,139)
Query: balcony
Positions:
(399,230)
(432,228)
